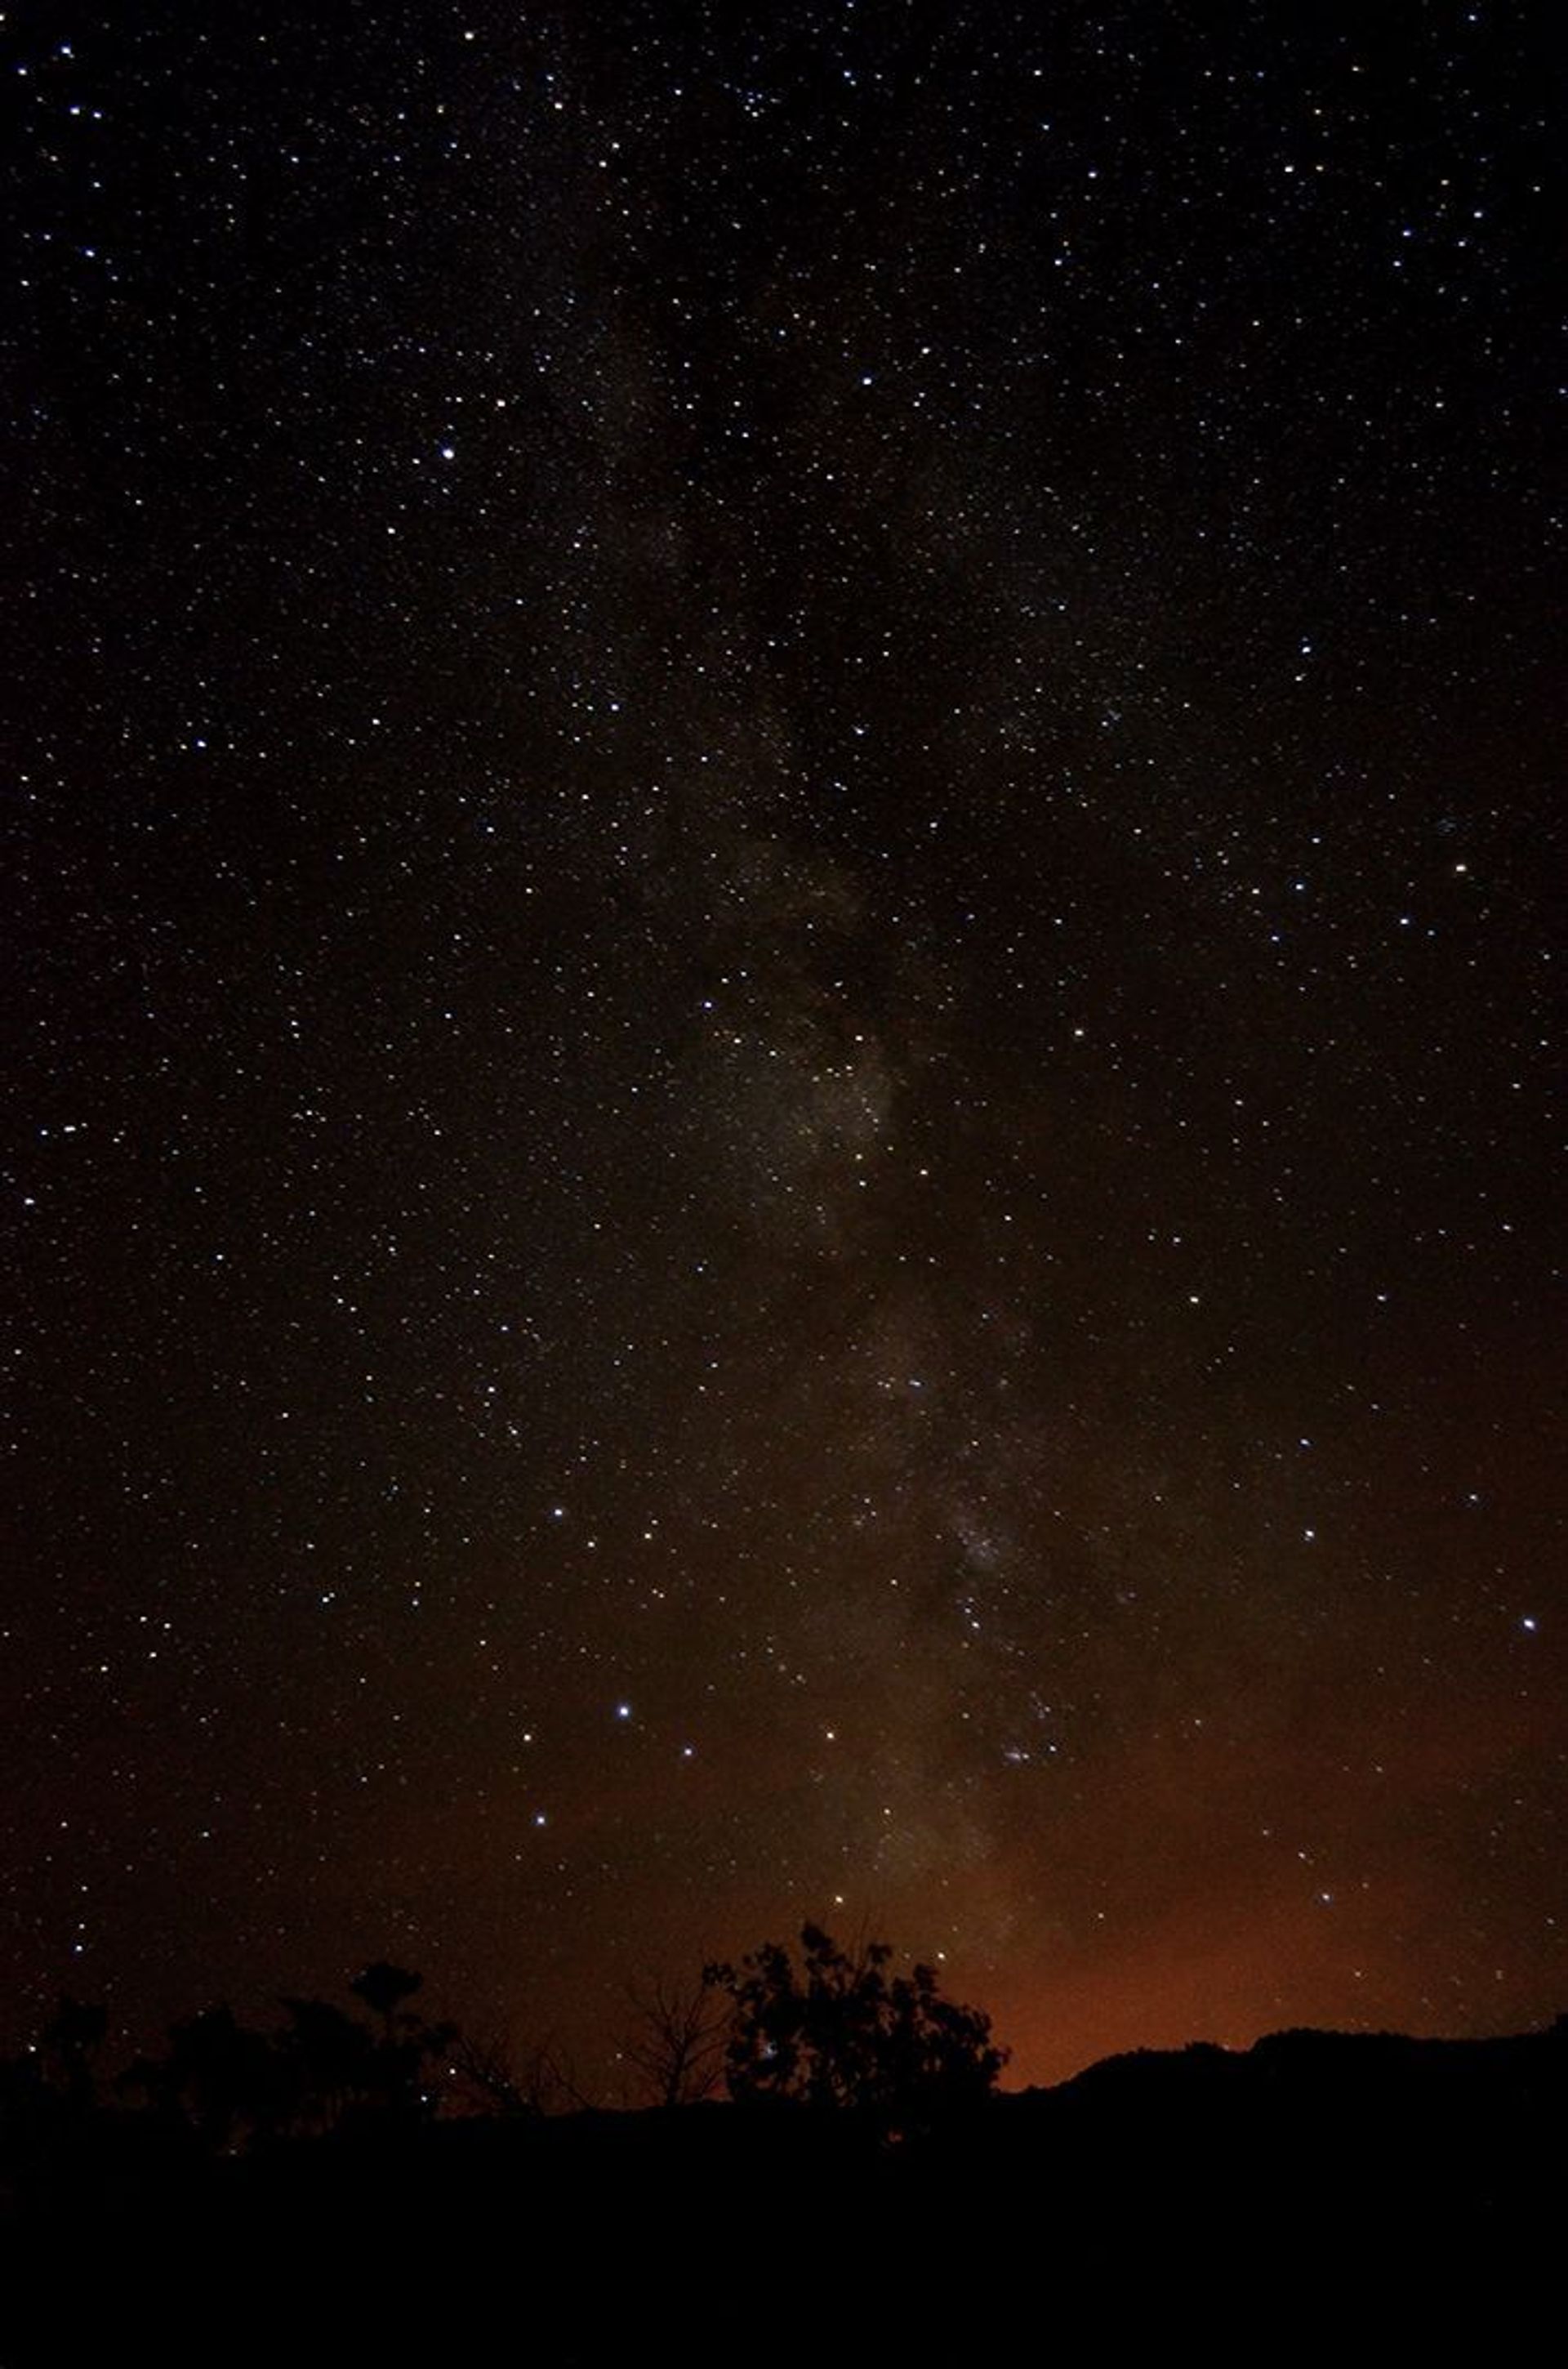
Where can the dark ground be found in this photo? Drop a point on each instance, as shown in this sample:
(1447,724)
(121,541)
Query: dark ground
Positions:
(1321,2190)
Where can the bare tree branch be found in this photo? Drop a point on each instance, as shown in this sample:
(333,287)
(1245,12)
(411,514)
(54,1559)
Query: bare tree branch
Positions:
(677,2040)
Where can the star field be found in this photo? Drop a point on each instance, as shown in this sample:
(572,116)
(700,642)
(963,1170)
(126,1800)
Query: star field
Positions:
(782,976)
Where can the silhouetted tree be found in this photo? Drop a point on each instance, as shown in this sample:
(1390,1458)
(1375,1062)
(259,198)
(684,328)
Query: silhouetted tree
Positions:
(550,2084)
(678,2040)
(326,2060)
(408,2047)
(840,2033)
(482,2076)
(70,2043)
(384,1988)
(222,2078)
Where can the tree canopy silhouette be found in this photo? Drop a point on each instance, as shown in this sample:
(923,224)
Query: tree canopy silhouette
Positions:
(840,2032)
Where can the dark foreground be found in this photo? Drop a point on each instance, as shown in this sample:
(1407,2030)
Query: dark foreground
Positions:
(1321,2191)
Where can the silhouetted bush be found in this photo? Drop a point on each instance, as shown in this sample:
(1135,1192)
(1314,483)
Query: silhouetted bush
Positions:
(841,2033)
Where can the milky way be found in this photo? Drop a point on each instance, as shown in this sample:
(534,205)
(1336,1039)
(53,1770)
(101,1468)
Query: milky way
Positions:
(781,965)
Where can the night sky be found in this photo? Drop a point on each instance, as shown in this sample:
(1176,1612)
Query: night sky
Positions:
(781,887)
